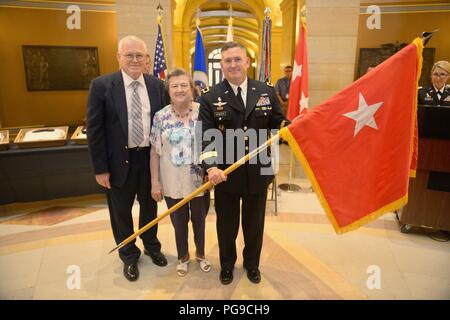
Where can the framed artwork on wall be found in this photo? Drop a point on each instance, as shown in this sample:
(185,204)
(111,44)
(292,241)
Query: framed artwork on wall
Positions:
(371,57)
(60,67)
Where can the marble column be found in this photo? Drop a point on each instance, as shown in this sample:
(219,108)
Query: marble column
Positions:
(138,17)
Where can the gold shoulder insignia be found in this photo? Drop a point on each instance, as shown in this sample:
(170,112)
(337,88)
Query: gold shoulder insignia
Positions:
(205,90)
(270,84)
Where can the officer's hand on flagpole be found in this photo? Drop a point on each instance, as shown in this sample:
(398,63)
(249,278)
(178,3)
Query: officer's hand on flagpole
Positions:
(216,176)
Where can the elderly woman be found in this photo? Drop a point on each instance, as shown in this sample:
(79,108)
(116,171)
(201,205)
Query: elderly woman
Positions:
(439,93)
(174,173)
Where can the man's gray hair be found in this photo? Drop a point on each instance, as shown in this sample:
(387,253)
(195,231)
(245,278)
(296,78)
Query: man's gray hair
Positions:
(232,44)
(128,39)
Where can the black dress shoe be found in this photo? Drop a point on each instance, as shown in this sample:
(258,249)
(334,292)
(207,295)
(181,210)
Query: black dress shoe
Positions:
(157,257)
(131,271)
(226,276)
(254,275)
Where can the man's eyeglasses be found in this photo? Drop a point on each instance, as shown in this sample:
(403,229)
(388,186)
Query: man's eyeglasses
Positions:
(439,75)
(131,57)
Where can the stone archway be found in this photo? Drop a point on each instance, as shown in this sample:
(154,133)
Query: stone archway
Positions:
(247,25)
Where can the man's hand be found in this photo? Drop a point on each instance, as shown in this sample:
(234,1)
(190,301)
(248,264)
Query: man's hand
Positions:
(216,176)
(103,180)
(157,191)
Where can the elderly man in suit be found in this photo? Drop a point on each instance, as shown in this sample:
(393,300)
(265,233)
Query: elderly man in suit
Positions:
(121,107)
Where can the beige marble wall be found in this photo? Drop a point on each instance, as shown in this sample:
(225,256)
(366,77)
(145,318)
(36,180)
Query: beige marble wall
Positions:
(276,68)
(138,17)
(289,12)
(332,43)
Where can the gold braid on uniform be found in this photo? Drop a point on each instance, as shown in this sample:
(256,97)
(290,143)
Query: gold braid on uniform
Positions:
(205,90)
(206,155)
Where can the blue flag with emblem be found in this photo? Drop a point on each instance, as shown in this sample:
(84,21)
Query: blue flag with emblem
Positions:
(200,76)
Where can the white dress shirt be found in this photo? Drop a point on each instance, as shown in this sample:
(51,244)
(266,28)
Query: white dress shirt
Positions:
(145,100)
(440,92)
(243,86)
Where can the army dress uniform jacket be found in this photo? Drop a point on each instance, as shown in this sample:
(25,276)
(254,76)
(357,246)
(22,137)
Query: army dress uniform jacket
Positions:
(429,97)
(220,109)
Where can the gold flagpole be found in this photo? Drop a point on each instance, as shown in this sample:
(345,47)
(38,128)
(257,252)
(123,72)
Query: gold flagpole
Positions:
(201,189)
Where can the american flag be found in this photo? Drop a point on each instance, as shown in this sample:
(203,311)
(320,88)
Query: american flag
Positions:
(160,66)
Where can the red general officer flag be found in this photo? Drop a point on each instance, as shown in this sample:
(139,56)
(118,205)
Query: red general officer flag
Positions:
(298,91)
(357,147)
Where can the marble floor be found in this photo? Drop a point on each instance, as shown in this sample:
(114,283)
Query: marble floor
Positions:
(61,252)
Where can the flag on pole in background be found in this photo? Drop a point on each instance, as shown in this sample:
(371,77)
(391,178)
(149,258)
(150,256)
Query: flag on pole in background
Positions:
(298,91)
(357,147)
(230,29)
(160,61)
(200,76)
(264,68)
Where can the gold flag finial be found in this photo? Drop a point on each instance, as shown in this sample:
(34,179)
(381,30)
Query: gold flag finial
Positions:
(160,9)
(197,20)
(303,11)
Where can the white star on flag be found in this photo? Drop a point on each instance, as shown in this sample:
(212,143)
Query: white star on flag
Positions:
(303,103)
(297,72)
(364,115)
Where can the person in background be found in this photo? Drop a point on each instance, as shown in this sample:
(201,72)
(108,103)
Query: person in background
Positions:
(282,88)
(174,173)
(438,94)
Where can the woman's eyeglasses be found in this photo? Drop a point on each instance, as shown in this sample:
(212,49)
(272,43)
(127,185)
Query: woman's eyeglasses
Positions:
(439,75)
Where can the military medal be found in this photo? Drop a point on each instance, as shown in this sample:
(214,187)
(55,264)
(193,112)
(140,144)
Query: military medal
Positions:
(219,105)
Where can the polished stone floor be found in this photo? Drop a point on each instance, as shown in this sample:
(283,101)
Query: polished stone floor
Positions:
(61,252)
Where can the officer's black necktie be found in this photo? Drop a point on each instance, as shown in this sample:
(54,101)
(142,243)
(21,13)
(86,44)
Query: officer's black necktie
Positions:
(239,97)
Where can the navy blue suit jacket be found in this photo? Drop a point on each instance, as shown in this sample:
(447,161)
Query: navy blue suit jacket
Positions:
(107,123)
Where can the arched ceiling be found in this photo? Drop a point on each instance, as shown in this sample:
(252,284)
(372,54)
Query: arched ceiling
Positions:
(214,16)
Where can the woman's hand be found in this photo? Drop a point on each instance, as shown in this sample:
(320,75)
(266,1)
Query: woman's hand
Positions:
(157,191)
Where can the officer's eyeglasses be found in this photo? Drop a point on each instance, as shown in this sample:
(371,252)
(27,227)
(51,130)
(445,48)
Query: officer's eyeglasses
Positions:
(439,75)
(131,56)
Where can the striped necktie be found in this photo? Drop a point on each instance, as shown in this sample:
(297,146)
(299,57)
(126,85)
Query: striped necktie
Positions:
(137,127)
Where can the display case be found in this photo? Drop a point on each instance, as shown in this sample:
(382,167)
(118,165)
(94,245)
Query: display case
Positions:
(4,139)
(79,136)
(41,137)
